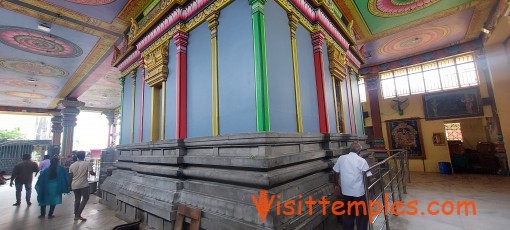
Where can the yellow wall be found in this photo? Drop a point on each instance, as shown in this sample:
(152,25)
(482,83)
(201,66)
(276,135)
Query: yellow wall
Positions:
(499,66)
(473,128)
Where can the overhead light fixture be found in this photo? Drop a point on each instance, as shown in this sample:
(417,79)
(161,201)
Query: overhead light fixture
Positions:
(31,79)
(44,27)
(486,31)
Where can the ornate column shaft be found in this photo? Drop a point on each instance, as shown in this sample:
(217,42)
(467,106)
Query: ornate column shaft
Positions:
(337,65)
(320,83)
(111,116)
(121,112)
(181,41)
(56,130)
(70,111)
(213,26)
(156,63)
(293,20)
(372,83)
(142,95)
(133,99)
(259,46)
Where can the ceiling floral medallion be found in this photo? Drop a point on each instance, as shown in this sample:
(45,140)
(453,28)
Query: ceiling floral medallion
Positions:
(24,84)
(32,68)
(92,2)
(394,8)
(30,95)
(414,40)
(38,42)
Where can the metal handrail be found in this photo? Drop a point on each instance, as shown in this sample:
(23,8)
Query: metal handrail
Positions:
(376,185)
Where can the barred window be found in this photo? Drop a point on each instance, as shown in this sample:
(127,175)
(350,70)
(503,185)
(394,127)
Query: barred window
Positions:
(444,74)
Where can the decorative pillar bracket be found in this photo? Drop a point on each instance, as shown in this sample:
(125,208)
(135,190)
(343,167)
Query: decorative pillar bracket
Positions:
(156,65)
(337,61)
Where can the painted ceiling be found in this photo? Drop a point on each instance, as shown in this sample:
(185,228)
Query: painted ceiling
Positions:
(389,30)
(73,60)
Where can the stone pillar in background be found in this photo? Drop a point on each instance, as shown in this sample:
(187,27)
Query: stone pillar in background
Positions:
(56,130)
(112,117)
(70,111)
(372,82)
(320,81)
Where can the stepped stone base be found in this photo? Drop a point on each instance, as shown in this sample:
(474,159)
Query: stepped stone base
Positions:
(219,175)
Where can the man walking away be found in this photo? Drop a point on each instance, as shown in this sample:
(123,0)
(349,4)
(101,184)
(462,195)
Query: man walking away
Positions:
(45,163)
(350,168)
(79,171)
(22,174)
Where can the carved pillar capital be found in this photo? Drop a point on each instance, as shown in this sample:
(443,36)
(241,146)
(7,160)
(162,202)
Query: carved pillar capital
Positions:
(337,60)
(257,5)
(133,76)
(181,41)
(317,41)
(70,111)
(213,23)
(56,122)
(156,65)
(293,20)
(111,116)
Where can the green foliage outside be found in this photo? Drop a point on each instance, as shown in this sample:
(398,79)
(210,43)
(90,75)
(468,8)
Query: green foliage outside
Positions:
(11,134)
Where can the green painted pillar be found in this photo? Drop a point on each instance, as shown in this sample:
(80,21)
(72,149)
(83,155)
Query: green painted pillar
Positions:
(121,113)
(259,47)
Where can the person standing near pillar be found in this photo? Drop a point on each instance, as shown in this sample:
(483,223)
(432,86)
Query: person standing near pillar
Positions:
(22,175)
(78,175)
(349,171)
(50,186)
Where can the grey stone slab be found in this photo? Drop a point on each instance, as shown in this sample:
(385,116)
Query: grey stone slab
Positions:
(220,175)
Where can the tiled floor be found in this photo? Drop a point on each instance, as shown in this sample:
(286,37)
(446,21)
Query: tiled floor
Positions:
(490,192)
(25,217)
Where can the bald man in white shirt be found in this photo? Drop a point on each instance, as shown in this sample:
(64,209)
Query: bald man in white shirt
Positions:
(349,171)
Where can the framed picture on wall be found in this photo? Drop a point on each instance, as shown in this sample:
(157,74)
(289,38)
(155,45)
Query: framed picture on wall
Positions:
(406,134)
(439,138)
(452,104)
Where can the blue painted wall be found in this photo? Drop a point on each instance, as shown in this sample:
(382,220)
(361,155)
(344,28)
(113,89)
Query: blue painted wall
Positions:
(330,100)
(170,93)
(345,105)
(199,82)
(138,100)
(125,128)
(282,102)
(236,79)
(310,114)
(147,107)
(357,105)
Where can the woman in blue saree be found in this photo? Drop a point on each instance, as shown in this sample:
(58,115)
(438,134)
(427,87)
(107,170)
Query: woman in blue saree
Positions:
(50,186)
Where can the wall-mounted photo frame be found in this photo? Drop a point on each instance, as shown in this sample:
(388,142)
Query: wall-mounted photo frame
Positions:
(453,104)
(439,139)
(406,134)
